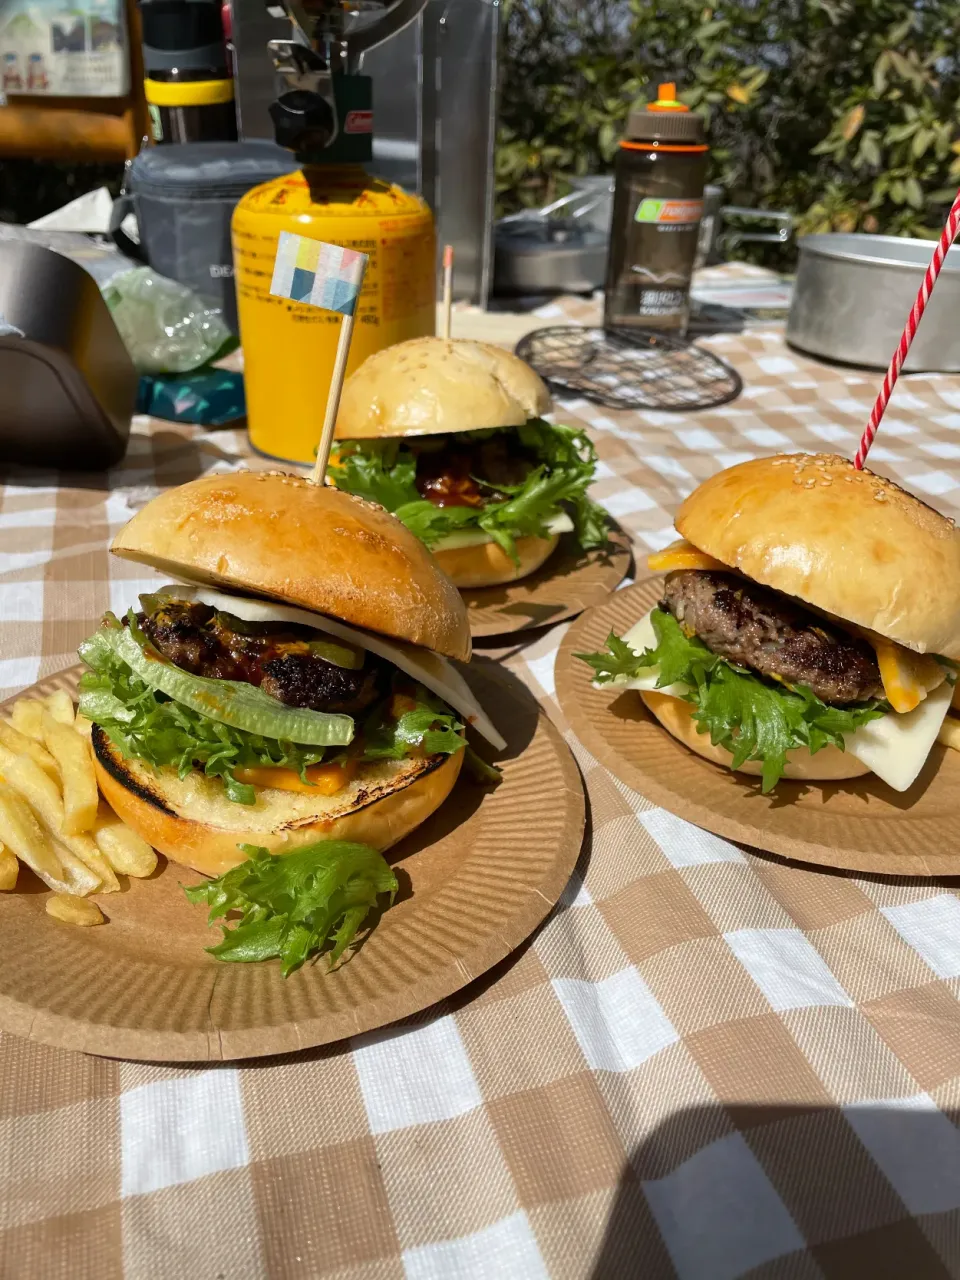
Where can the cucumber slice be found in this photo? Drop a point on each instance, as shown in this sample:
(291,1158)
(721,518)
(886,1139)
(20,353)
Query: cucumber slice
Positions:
(340,655)
(242,706)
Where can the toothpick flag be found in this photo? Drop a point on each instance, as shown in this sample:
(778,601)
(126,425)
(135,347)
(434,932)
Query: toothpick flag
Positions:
(323,275)
(331,277)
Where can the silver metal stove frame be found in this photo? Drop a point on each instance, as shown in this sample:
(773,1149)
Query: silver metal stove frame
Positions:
(434,110)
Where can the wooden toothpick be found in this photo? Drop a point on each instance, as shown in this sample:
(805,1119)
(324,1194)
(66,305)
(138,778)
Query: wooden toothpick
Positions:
(447,291)
(333,401)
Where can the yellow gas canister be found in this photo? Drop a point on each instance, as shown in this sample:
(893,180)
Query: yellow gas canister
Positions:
(289,347)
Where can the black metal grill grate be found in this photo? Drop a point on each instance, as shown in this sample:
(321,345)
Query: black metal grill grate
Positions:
(628,370)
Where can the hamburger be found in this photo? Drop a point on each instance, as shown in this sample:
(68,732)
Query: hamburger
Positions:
(294,684)
(450,437)
(809,626)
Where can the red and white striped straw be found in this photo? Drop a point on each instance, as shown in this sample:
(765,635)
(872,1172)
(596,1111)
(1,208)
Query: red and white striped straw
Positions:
(947,237)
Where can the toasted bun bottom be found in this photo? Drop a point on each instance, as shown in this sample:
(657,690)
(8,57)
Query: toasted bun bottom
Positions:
(488,565)
(828,765)
(192,822)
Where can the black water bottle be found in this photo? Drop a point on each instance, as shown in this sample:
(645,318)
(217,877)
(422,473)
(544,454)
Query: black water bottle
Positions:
(657,206)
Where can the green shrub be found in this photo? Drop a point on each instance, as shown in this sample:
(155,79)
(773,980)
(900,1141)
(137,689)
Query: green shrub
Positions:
(845,112)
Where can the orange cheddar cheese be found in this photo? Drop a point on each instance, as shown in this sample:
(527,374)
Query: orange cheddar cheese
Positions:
(682,555)
(322,779)
(907,677)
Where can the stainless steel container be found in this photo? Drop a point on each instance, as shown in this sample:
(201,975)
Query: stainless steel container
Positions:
(853,294)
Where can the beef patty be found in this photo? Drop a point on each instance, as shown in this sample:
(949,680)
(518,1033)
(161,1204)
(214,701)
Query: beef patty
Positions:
(204,642)
(759,628)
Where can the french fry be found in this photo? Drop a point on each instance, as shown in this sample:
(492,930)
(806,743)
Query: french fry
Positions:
(22,835)
(9,867)
(21,745)
(80,878)
(83,726)
(60,706)
(949,735)
(80,794)
(128,853)
(82,849)
(27,716)
(72,910)
(43,796)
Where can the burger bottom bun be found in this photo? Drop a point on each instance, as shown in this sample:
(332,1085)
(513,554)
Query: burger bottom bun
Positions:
(191,821)
(830,764)
(488,565)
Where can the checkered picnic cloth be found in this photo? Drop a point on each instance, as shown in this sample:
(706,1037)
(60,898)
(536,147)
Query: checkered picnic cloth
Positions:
(707,1063)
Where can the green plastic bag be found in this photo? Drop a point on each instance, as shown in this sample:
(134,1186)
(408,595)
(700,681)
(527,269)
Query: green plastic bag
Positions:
(166,327)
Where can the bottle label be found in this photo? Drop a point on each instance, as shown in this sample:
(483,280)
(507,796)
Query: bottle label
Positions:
(358,122)
(674,212)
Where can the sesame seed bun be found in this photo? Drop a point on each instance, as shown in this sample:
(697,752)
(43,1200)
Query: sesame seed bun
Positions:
(846,542)
(282,537)
(435,386)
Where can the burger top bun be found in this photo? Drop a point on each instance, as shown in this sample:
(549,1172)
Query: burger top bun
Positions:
(434,386)
(844,541)
(281,536)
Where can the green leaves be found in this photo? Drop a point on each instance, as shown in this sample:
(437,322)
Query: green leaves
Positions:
(571,69)
(293,905)
(144,725)
(752,718)
(147,725)
(618,660)
(428,727)
(232,702)
(384,470)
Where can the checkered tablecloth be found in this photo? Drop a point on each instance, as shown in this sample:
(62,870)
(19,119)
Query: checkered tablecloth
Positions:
(707,1063)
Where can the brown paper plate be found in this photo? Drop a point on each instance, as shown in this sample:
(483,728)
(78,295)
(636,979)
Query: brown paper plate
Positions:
(475,880)
(570,581)
(860,824)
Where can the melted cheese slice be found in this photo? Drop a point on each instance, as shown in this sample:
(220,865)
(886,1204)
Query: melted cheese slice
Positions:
(894,747)
(560,523)
(682,555)
(907,676)
(436,673)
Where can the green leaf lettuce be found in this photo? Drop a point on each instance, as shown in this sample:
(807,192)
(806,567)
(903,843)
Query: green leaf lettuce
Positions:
(145,724)
(384,471)
(749,716)
(295,904)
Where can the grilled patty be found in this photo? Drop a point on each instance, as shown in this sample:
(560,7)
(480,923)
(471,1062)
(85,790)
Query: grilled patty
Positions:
(204,642)
(758,628)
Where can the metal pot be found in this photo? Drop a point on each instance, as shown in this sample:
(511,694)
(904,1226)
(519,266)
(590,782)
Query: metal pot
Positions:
(853,294)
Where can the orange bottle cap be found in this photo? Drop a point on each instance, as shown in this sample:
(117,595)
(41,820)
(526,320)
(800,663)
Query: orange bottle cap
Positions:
(667,99)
